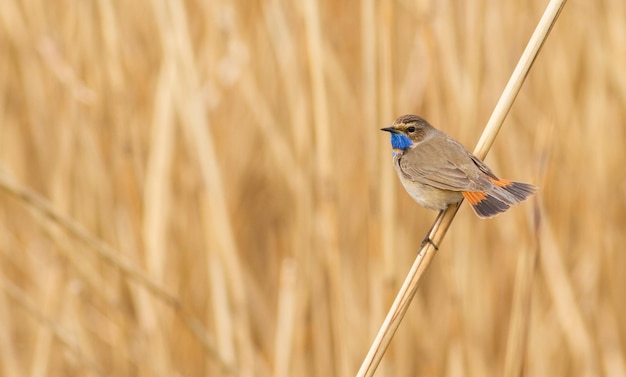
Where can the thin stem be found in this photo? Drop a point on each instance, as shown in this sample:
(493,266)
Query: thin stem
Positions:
(442,223)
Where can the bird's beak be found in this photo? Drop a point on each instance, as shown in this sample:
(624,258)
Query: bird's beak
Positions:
(390,129)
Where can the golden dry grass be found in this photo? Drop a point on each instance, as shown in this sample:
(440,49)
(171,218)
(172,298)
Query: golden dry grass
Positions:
(201,188)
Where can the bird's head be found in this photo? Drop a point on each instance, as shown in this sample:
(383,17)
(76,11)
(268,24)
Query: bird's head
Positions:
(407,131)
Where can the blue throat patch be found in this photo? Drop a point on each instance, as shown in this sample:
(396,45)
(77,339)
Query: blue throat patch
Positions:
(400,141)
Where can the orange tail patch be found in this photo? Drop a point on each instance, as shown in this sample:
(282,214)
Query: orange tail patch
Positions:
(501,182)
(474,197)
(485,205)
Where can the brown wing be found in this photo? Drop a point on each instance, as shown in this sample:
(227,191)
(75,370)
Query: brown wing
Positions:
(445,164)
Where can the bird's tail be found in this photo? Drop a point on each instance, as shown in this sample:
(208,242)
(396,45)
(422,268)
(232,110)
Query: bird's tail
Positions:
(499,198)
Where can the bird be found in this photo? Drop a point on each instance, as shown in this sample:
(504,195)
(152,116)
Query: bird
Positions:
(438,171)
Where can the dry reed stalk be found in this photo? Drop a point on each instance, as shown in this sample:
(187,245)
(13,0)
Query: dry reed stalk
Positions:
(51,296)
(292,151)
(219,237)
(570,317)
(277,141)
(156,213)
(369,85)
(326,221)
(612,352)
(32,308)
(388,198)
(157,191)
(177,80)
(11,363)
(517,337)
(444,220)
(102,249)
(519,325)
(108,254)
(285,318)
(376,73)
(386,106)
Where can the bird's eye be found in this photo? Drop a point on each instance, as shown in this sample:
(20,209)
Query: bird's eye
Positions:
(411,129)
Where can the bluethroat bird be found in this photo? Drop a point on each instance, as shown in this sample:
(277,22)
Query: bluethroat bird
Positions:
(437,170)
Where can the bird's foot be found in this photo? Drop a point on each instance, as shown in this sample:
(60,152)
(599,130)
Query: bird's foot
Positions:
(428,240)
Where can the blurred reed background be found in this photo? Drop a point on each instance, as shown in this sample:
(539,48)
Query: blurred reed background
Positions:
(201,188)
